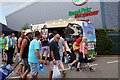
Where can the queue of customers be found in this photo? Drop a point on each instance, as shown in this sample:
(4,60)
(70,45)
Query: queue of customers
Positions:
(31,52)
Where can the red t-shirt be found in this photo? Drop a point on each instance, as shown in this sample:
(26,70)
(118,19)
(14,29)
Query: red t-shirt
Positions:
(78,41)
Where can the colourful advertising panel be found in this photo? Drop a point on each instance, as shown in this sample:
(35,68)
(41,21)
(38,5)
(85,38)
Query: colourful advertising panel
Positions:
(89,32)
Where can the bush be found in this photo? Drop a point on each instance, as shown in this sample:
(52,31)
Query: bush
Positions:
(103,43)
(112,30)
(19,33)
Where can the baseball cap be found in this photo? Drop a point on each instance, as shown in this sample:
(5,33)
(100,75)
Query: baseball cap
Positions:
(28,31)
(41,68)
(72,36)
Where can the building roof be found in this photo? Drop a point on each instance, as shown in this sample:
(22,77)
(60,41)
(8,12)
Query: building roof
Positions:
(19,8)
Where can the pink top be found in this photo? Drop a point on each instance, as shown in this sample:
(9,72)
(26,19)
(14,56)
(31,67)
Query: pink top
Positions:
(85,48)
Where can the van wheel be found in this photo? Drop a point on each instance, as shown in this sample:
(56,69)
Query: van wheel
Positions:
(69,57)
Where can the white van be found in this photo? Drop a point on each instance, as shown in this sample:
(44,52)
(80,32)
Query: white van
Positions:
(65,28)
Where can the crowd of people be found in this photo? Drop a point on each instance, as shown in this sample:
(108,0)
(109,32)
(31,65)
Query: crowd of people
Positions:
(31,52)
(8,44)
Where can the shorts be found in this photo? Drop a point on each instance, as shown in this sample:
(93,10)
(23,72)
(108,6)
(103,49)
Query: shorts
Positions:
(2,51)
(34,69)
(26,65)
(45,48)
(60,61)
(77,56)
(81,60)
(61,53)
(52,64)
(19,58)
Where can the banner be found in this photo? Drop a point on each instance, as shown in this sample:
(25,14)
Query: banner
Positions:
(89,31)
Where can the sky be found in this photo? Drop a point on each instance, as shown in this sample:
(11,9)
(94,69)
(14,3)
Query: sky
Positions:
(6,7)
(4,12)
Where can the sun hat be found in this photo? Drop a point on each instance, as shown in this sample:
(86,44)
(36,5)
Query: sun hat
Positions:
(28,31)
(41,68)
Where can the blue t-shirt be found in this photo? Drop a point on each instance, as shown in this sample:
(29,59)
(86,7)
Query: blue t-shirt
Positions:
(9,45)
(32,58)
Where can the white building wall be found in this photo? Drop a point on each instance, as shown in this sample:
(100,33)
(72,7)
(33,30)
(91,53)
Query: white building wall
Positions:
(38,13)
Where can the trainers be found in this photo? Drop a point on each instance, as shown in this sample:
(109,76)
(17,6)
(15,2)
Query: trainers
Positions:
(14,58)
(70,66)
(45,63)
(12,62)
(92,69)
(2,60)
(5,60)
(82,68)
(64,74)
(77,69)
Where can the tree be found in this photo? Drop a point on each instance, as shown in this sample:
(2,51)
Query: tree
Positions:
(103,43)
(26,26)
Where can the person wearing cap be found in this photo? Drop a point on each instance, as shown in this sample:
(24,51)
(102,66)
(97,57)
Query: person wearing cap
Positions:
(34,56)
(73,39)
(77,43)
(71,43)
(24,53)
(8,48)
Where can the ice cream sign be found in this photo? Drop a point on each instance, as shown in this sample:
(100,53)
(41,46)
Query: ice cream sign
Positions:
(83,12)
(79,2)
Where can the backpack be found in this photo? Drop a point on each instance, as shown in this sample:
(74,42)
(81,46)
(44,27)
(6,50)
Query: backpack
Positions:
(75,48)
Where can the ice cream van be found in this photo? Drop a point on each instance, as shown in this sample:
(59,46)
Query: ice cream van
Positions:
(68,28)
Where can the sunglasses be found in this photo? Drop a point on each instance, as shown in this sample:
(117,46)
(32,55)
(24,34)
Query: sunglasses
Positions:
(58,37)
